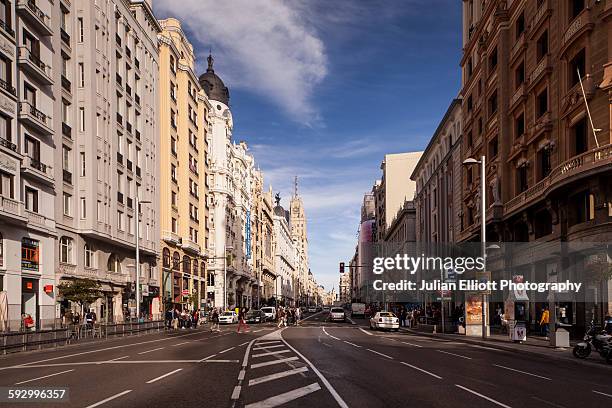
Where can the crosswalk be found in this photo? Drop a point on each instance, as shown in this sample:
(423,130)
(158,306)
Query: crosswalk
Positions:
(275,374)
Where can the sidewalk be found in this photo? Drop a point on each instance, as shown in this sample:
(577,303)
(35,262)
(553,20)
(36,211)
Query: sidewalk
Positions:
(534,346)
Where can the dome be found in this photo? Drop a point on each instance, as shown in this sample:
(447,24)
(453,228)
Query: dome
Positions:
(213,85)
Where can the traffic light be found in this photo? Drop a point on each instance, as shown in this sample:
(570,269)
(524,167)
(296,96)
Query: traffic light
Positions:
(341,267)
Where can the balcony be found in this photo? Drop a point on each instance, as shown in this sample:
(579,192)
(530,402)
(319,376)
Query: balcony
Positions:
(65,36)
(119,158)
(37,169)
(35,16)
(12,209)
(66,130)
(189,245)
(576,28)
(66,84)
(8,144)
(67,176)
(7,29)
(542,68)
(36,219)
(519,95)
(120,197)
(583,165)
(170,237)
(31,116)
(8,87)
(544,11)
(35,66)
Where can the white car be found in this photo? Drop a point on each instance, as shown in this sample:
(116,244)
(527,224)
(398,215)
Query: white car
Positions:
(228,317)
(312,309)
(270,312)
(384,320)
(337,313)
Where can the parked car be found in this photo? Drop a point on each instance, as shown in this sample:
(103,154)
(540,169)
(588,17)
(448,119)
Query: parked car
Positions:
(312,309)
(228,317)
(384,320)
(255,316)
(269,311)
(337,314)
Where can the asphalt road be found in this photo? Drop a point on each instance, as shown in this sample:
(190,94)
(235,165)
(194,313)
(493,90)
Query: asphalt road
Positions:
(316,364)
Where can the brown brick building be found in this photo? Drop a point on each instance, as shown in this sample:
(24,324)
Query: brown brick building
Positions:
(549,175)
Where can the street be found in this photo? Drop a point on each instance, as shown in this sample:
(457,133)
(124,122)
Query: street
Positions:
(318,363)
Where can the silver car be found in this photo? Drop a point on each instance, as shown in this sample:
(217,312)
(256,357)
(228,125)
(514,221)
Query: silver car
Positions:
(337,313)
(384,320)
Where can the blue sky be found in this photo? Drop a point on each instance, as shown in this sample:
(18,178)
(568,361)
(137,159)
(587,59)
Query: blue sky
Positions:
(323,89)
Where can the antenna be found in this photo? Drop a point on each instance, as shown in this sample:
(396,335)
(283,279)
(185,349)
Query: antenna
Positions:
(587,109)
(295,183)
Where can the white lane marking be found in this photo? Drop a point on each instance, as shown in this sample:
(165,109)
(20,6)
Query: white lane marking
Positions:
(285,397)
(245,360)
(278,375)
(352,344)
(329,387)
(206,358)
(261,343)
(164,376)
(350,320)
(482,396)
(267,363)
(268,347)
(236,392)
(150,351)
(44,376)
(257,331)
(270,353)
(411,344)
(366,332)
(99,350)
(180,344)
(242,344)
(226,350)
(333,337)
(113,359)
(522,372)
(97,404)
(484,347)
(421,370)
(221,361)
(602,393)
(241,375)
(380,354)
(453,354)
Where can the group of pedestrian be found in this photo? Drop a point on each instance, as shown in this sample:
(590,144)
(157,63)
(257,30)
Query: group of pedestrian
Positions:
(290,315)
(182,319)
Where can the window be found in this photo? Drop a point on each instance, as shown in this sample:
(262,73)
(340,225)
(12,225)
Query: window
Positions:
(83,208)
(579,134)
(174,225)
(173,64)
(493,103)
(66,162)
(83,163)
(166,258)
(493,60)
(5,12)
(29,93)
(32,148)
(470,68)
(544,160)
(581,208)
(130,225)
(5,72)
(113,264)
(1,250)
(66,250)
(186,264)
(82,119)
(67,204)
(173,91)
(470,103)
(542,45)
(519,126)
(470,139)
(173,172)
(469,177)
(578,63)
(520,25)
(493,148)
(542,103)
(173,146)
(6,185)
(31,203)
(81,75)
(88,256)
(81,29)
(5,127)
(576,7)
(521,178)
(29,254)
(176,261)
(173,195)
(173,118)
(519,75)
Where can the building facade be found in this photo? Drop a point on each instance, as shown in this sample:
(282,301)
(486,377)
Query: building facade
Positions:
(285,261)
(548,172)
(262,227)
(298,225)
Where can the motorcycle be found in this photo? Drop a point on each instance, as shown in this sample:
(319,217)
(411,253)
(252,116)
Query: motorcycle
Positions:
(597,339)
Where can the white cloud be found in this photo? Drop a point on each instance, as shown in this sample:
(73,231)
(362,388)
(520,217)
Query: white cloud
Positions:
(264,46)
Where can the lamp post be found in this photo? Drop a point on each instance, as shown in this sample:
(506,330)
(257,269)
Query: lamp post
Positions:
(483,228)
(138,202)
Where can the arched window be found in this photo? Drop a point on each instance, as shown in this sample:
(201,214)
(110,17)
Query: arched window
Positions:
(195,267)
(66,250)
(186,264)
(166,257)
(88,256)
(113,264)
(1,250)
(176,261)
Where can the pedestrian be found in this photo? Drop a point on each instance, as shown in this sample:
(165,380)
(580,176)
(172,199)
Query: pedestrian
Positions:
(215,320)
(403,317)
(168,318)
(196,318)
(241,322)
(281,317)
(544,320)
(298,316)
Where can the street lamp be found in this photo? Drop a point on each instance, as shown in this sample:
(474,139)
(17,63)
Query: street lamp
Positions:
(138,202)
(483,228)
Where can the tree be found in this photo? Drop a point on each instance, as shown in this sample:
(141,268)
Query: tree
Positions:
(80,291)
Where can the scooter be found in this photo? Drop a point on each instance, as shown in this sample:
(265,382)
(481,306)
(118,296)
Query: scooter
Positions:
(597,339)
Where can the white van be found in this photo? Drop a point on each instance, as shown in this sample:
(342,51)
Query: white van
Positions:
(270,312)
(358,309)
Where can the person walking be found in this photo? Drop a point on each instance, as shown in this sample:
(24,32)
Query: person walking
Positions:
(544,320)
(281,318)
(241,322)
(215,320)
(298,316)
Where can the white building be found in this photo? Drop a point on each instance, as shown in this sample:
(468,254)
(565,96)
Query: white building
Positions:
(284,256)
